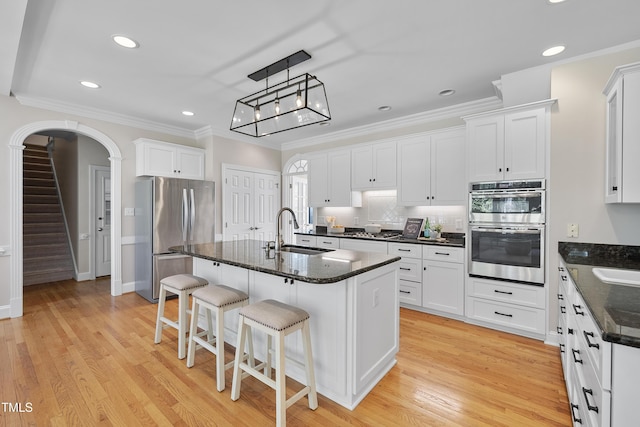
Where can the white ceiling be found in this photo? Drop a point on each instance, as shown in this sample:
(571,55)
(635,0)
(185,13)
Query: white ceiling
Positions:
(196,55)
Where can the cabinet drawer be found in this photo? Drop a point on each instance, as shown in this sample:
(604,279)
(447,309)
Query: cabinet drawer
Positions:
(405,250)
(363,245)
(524,318)
(410,269)
(443,253)
(595,401)
(305,240)
(328,242)
(410,292)
(513,293)
(588,336)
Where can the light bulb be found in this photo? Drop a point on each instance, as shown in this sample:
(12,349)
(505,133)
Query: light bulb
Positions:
(257,113)
(299,98)
(277,106)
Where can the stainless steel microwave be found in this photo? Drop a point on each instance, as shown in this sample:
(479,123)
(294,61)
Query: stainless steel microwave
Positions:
(512,202)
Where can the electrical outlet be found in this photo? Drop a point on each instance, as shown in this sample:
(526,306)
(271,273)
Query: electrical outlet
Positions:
(129,211)
(572,230)
(356,220)
(458,224)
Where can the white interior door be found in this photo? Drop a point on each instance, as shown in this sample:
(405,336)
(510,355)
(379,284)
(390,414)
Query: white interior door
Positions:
(102,230)
(250,203)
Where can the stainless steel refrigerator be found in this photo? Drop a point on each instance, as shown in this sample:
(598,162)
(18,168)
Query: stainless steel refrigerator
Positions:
(169,212)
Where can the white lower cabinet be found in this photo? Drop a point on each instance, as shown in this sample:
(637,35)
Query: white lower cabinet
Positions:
(410,272)
(363,245)
(443,279)
(328,242)
(303,240)
(513,307)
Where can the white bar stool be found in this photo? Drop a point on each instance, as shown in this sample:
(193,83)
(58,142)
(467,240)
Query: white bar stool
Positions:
(277,320)
(182,285)
(217,299)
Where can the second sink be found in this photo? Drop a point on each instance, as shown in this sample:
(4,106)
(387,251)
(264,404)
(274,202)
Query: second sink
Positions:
(303,250)
(616,276)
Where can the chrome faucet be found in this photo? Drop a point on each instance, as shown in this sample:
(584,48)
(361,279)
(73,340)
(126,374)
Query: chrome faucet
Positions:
(279,239)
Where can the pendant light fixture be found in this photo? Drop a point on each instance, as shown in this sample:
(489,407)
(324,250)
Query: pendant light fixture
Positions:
(295,102)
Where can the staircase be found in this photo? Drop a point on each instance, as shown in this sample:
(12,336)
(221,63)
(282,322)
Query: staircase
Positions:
(46,253)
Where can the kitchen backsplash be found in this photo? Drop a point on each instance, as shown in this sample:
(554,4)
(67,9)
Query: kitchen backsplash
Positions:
(380,207)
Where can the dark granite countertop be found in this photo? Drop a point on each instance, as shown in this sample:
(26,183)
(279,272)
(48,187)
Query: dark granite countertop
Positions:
(456,240)
(615,308)
(327,267)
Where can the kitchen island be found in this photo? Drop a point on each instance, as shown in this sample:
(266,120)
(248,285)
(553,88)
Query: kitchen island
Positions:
(351,296)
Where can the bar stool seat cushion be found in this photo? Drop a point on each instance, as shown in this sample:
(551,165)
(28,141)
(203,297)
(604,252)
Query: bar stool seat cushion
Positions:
(183,281)
(274,314)
(219,295)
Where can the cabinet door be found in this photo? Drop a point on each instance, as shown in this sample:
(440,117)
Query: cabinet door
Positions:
(384,165)
(362,168)
(524,136)
(485,150)
(414,176)
(190,164)
(318,180)
(443,287)
(448,177)
(339,167)
(159,160)
(613,192)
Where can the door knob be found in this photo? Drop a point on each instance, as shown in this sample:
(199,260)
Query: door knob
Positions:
(99,228)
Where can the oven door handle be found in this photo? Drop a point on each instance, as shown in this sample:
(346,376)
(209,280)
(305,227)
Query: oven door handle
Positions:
(508,230)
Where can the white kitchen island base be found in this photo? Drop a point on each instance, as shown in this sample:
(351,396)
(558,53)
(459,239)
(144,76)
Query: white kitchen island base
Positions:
(354,324)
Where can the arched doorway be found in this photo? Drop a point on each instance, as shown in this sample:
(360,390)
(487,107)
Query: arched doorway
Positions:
(295,195)
(16,222)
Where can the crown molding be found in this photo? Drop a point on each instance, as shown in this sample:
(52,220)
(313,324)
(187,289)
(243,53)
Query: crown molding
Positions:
(107,116)
(210,131)
(458,110)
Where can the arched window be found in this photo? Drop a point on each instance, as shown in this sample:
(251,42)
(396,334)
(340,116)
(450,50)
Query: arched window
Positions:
(297,197)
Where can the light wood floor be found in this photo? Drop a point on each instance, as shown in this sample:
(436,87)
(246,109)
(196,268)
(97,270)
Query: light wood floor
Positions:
(82,357)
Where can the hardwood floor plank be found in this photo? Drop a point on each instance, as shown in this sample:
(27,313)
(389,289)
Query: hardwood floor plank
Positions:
(83,357)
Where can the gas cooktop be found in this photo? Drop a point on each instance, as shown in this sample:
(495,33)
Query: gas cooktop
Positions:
(385,235)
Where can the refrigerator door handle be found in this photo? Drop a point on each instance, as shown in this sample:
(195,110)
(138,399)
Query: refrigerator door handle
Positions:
(185,214)
(192,216)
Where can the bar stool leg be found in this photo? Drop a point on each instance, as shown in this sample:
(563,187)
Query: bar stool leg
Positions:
(159,323)
(193,330)
(220,349)
(237,375)
(308,358)
(183,303)
(281,385)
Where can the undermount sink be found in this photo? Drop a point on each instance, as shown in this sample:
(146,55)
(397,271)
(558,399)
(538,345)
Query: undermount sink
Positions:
(616,276)
(303,250)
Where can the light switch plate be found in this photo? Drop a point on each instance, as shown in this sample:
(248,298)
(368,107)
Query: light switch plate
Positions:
(572,230)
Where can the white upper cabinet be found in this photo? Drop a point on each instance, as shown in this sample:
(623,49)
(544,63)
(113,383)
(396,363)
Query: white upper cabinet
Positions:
(622,176)
(329,180)
(431,170)
(157,158)
(508,144)
(373,167)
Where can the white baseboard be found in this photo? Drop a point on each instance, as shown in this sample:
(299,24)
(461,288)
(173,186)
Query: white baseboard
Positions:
(81,277)
(128,287)
(552,338)
(5,312)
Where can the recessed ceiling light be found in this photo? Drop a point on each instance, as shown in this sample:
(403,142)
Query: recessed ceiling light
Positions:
(555,1)
(384,108)
(553,50)
(446,92)
(188,113)
(90,85)
(125,41)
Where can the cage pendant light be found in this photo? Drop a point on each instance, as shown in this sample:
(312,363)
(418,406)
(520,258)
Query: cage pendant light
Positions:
(296,102)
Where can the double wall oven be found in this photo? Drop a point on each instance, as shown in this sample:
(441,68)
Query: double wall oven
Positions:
(507,230)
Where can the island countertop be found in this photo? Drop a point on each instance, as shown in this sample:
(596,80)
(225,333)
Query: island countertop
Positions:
(327,267)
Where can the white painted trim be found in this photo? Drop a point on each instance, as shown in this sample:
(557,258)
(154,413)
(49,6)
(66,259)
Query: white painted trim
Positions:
(459,110)
(87,275)
(5,312)
(128,287)
(108,116)
(15,200)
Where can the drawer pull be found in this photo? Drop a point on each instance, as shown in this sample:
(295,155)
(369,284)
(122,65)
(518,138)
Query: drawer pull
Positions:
(404,250)
(559,329)
(586,337)
(575,359)
(561,348)
(405,269)
(560,268)
(502,292)
(586,391)
(404,292)
(564,278)
(570,331)
(577,308)
(328,243)
(563,309)
(442,253)
(573,414)
(503,314)
(561,297)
